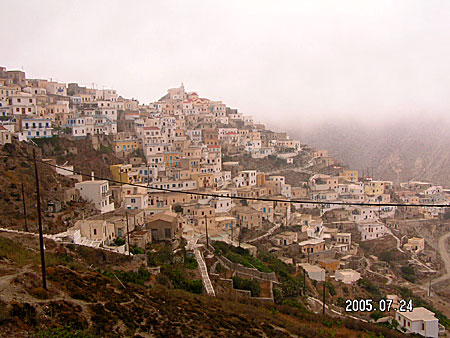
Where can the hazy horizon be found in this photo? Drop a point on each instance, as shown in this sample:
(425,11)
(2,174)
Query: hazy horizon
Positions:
(283,63)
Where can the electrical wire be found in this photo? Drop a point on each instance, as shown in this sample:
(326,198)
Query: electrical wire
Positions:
(238,197)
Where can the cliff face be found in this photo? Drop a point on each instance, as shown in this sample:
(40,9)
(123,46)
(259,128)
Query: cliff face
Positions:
(413,150)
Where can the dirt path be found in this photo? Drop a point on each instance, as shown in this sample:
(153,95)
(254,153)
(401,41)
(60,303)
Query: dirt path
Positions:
(445,257)
(7,291)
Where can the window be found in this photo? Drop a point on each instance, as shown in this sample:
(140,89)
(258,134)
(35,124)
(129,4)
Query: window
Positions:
(167,232)
(95,232)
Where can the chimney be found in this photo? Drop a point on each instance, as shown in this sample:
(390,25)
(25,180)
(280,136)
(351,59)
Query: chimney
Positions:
(92,175)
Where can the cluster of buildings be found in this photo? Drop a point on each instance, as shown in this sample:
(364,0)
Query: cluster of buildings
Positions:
(178,142)
(172,181)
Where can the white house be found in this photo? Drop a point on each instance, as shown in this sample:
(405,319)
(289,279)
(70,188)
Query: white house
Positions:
(371,231)
(136,201)
(347,276)
(344,238)
(420,321)
(5,135)
(286,190)
(55,88)
(222,204)
(98,192)
(361,214)
(22,104)
(249,177)
(263,152)
(285,238)
(36,128)
(314,272)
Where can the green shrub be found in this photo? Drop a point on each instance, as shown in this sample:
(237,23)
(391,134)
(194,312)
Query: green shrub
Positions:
(136,250)
(139,277)
(119,241)
(408,273)
(163,256)
(294,303)
(247,284)
(370,287)
(340,302)
(292,287)
(240,255)
(105,149)
(375,315)
(190,263)
(179,281)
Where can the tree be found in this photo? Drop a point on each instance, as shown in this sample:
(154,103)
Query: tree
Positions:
(136,250)
(119,241)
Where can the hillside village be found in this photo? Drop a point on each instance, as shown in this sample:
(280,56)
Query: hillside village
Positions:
(255,213)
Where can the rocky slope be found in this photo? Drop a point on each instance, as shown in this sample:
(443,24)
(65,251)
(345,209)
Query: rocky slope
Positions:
(17,168)
(409,150)
(82,302)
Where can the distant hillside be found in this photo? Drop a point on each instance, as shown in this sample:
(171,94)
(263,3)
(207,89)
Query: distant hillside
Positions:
(418,150)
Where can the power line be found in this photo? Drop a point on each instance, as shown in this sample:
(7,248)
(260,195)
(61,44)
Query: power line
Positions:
(243,198)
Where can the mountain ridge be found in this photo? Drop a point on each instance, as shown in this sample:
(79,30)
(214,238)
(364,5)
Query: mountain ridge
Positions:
(398,152)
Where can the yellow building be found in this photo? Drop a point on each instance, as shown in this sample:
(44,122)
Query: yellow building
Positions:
(122,173)
(125,145)
(374,188)
(415,244)
(349,175)
(172,159)
(260,179)
(204,180)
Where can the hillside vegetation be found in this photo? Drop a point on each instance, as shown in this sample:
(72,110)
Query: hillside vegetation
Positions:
(87,302)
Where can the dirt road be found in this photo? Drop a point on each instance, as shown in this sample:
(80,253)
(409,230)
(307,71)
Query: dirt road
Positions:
(445,257)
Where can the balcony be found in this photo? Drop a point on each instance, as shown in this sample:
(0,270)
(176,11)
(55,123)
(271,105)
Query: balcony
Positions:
(107,193)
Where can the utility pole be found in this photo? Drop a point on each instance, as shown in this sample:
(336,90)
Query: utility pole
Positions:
(323,301)
(240,230)
(304,281)
(206,224)
(128,232)
(24,209)
(232,228)
(41,237)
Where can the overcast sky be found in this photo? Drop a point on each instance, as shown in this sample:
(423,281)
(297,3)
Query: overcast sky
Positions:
(283,62)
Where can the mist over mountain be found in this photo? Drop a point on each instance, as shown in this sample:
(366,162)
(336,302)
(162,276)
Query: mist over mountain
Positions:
(408,149)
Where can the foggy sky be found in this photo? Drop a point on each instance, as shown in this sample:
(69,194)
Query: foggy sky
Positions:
(284,62)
